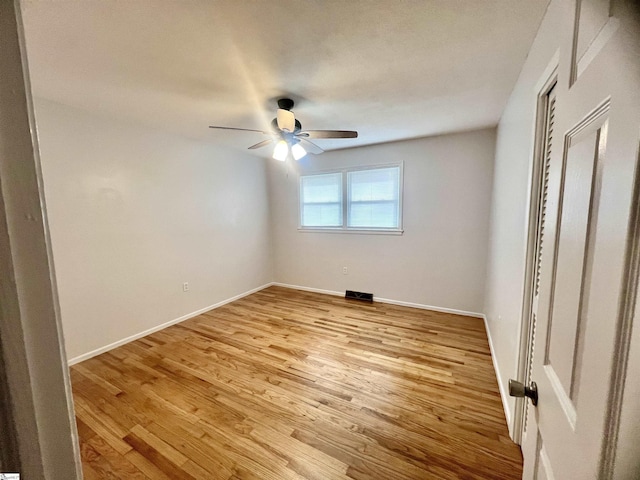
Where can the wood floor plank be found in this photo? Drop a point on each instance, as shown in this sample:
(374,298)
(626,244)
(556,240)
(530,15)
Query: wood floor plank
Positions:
(284,384)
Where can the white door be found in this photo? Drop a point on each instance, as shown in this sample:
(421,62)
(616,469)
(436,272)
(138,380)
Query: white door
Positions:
(589,187)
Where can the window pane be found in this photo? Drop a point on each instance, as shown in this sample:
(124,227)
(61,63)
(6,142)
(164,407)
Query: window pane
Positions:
(321,200)
(375,215)
(367,185)
(374,198)
(322,215)
(322,188)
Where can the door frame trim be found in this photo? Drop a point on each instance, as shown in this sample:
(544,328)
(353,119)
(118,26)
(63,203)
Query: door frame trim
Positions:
(626,313)
(34,374)
(542,87)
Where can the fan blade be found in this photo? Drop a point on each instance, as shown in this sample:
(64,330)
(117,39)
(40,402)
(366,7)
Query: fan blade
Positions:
(260,144)
(328,134)
(311,147)
(286,120)
(241,129)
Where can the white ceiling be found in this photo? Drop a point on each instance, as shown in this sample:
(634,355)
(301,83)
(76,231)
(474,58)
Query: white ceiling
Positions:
(391,69)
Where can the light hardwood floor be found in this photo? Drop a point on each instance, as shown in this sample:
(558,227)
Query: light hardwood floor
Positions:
(285,384)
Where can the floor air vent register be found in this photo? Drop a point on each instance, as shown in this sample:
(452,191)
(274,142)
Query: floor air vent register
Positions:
(363,297)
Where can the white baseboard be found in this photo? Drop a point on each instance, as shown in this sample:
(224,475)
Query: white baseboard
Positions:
(386,300)
(429,307)
(503,394)
(111,346)
(309,289)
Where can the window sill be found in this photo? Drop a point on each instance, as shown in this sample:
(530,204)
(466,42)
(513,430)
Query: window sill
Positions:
(360,231)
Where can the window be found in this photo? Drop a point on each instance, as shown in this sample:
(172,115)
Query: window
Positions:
(321,200)
(357,199)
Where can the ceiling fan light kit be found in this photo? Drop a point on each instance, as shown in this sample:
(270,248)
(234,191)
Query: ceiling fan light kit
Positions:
(287,134)
(281,151)
(298,151)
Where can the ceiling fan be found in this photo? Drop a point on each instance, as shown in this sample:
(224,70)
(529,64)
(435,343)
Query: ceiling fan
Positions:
(287,134)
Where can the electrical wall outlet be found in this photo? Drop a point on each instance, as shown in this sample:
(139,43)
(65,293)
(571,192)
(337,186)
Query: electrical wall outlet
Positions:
(345,271)
(185,287)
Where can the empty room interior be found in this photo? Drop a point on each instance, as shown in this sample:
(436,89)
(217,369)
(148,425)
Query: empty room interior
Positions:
(320,239)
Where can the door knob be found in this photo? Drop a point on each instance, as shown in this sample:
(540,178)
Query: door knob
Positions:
(518,389)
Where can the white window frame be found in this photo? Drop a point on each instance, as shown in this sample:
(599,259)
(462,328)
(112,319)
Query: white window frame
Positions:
(345,202)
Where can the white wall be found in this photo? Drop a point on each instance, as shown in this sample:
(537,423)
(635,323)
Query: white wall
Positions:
(514,153)
(134,213)
(441,257)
